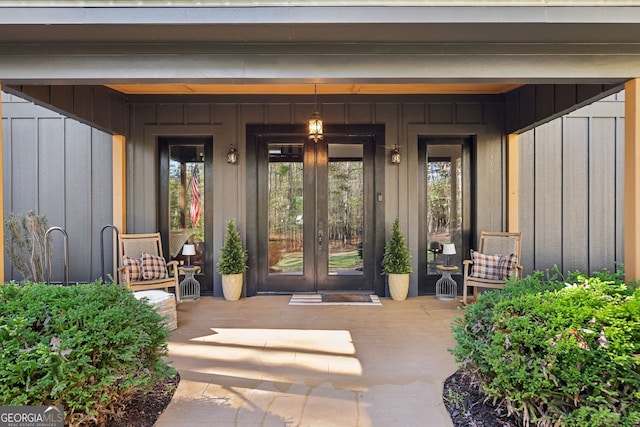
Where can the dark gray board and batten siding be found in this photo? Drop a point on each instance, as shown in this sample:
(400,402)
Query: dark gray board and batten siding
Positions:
(60,168)
(571,170)
(572,188)
(228,119)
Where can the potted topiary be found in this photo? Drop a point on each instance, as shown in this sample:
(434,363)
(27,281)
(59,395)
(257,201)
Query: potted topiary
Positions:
(396,263)
(232,263)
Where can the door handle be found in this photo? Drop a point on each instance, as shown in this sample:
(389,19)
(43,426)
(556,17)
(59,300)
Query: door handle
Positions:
(320,234)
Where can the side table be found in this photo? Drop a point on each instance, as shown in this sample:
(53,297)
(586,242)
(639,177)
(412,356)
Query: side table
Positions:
(446,287)
(189,287)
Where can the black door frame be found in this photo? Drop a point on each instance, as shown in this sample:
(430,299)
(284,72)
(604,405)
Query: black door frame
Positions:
(427,282)
(206,279)
(373,250)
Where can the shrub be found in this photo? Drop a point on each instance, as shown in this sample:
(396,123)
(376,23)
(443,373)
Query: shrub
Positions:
(557,353)
(86,347)
(233,257)
(397,257)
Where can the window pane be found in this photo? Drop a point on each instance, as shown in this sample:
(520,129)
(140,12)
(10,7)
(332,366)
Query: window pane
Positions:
(346,208)
(286,203)
(444,203)
(186,203)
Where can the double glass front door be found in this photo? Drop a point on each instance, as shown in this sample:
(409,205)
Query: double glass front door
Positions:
(315,207)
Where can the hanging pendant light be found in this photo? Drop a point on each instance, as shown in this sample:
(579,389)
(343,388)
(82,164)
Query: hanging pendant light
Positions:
(315,121)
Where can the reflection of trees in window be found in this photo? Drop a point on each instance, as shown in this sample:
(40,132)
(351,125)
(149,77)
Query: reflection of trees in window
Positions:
(286,203)
(439,197)
(346,198)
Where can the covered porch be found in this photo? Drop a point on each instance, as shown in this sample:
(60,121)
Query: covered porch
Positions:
(147,75)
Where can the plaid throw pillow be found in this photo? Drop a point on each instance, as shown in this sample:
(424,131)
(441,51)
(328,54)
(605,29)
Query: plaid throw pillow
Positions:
(135,271)
(506,265)
(153,267)
(485,266)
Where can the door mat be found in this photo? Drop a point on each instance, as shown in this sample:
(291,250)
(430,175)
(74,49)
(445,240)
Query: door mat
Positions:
(334,299)
(345,298)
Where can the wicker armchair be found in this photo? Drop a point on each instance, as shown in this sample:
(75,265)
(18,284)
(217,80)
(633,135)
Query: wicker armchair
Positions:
(500,247)
(143,265)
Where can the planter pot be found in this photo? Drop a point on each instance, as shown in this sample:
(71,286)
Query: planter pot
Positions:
(232,286)
(398,286)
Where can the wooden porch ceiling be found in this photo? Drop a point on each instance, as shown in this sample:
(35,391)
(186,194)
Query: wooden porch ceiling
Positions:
(307,89)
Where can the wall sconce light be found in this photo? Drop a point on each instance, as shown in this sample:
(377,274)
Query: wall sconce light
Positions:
(232,155)
(189,250)
(315,121)
(448,249)
(395,155)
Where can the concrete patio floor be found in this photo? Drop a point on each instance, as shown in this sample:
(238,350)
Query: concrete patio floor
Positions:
(260,362)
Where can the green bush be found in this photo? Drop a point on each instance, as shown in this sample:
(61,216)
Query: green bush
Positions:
(233,257)
(555,352)
(86,347)
(397,257)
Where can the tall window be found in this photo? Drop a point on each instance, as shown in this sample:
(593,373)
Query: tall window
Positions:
(186,202)
(444,201)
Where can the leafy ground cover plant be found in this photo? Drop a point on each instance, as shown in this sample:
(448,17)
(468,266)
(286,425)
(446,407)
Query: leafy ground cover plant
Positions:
(88,348)
(557,351)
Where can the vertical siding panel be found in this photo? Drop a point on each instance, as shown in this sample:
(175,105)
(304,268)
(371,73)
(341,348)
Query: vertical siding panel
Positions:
(78,199)
(101,108)
(527,104)
(398,187)
(6,164)
(141,167)
(301,113)
(198,114)
(389,114)
(527,199)
(83,102)
(48,165)
(231,177)
(279,114)
(224,172)
(489,184)
(171,114)
(602,180)
(548,196)
(575,166)
(440,113)
(6,178)
(495,143)
(592,189)
(359,114)
(334,113)
(62,97)
(544,101)
(619,167)
(232,131)
(468,112)
(101,201)
(24,165)
(51,180)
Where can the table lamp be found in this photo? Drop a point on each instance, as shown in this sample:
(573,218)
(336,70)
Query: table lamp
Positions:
(448,249)
(189,250)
